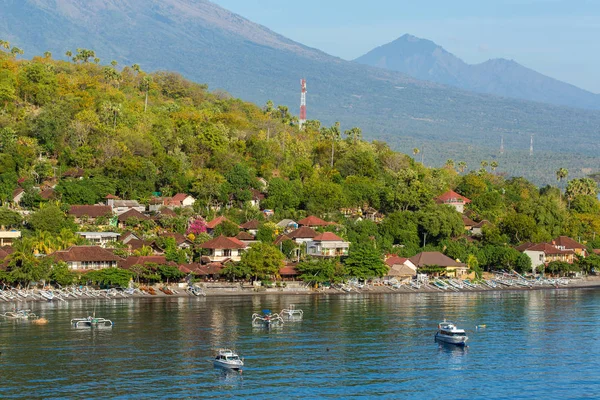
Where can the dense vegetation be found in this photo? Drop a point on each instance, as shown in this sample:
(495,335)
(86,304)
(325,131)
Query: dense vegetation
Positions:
(134,134)
(225,51)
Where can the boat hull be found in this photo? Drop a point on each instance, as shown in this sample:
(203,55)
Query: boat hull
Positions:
(228,365)
(455,340)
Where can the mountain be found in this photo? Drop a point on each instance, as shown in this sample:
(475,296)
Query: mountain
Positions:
(211,45)
(423,59)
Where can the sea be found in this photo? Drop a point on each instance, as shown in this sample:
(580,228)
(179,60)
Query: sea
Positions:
(522,345)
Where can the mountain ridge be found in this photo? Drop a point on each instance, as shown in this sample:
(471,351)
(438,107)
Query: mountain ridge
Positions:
(424,59)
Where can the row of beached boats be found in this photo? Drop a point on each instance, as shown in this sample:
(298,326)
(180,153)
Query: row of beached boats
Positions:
(499,281)
(84,292)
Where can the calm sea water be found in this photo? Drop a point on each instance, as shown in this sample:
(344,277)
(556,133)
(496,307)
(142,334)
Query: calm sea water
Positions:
(536,344)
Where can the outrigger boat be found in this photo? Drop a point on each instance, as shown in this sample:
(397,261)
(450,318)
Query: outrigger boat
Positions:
(226,358)
(449,333)
(267,320)
(90,322)
(292,312)
(20,314)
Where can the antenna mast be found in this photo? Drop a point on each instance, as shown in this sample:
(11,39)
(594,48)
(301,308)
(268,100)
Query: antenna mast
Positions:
(302,120)
(502,145)
(531,146)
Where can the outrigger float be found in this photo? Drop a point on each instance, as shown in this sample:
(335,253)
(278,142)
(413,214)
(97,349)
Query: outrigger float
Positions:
(267,320)
(292,312)
(20,314)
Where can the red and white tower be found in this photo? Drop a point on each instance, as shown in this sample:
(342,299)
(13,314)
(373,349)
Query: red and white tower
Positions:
(302,103)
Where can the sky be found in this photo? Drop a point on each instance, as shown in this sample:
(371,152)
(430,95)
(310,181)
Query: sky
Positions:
(555,37)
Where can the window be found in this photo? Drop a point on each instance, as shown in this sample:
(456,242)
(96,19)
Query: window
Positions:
(227,253)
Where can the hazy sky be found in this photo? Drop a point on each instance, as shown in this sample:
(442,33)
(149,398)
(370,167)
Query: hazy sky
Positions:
(558,38)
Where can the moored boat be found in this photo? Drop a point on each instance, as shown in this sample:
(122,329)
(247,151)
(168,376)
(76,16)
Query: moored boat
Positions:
(449,333)
(292,312)
(267,320)
(226,358)
(90,322)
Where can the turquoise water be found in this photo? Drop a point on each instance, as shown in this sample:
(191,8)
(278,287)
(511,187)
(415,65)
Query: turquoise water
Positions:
(536,344)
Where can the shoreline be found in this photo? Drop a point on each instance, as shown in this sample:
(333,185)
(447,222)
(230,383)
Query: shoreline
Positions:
(236,290)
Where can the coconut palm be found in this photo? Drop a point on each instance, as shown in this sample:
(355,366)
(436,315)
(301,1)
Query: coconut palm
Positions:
(449,163)
(462,166)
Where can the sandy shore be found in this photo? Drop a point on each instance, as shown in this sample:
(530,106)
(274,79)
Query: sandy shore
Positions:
(231,289)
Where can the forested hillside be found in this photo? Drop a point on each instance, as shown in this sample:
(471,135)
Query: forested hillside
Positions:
(132,134)
(212,45)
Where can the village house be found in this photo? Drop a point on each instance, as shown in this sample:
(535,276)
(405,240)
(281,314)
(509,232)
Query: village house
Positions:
(287,225)
(211,225)
(453,199)
(85,213)
(181,241)
(179,200)
(100,238)
(543,253)
(251,226)
(223,248)
(313,222)
(303,235)
(400,268)
(327,244)
(566,243)
(86,258)
(256,198)
(131,214)
(246,238)
(145,261)
(468,223)
(48,193)
(477,229)
(436,259)
(75,173)
(122,206)
(288,272)
(7,238)
(17,196)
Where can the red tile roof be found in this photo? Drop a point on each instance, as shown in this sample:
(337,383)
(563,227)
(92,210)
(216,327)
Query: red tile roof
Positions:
(434,258)
(111,196)
(289,270)
(179,238)
(144,260)
(215,222)
(252,224)
(90,211)
(244,236)
(47,194)
(167,212)
(395,260)
(452,197)
(312,221)
(303,233)
(568,243)
(17,192)
(85,253)
(179,197)
(280,239)
(468,221)
(257,195)
(223,242)
(548,248)
(132,213)
(328,237)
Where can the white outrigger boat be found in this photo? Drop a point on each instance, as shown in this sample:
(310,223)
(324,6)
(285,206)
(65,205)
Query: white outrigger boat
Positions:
(90,322)
(267,320)
(292,312)
(226,358)
(449,333)
(20,314)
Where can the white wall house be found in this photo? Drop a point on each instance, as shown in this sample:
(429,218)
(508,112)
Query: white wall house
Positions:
(100,238)
(327,245)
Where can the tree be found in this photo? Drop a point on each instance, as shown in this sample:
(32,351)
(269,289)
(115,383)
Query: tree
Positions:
(110,277)
(9,218)
(462,166)
(233,271)
(16,51)
(364,262)
(61,275)
(333,134)
(145,87)
(494,165)
(449,163)
(50,218)
(266,232)
(226,228)
(581,187)
(263,260)
(197,227)
(354,134)
(169,272)
(83,55)
(319,271)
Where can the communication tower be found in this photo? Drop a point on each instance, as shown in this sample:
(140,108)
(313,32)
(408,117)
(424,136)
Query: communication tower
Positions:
(502,145)
(302,120)
(531,146)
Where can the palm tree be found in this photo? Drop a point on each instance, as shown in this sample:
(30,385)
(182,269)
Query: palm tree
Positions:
(47,54)
(462,166)
(69,53)
(484,165)
(16,51)
(416,151)
(561,174)
(136,68)
(145,86)
(494,165)
(4,44)
(114,63)
(332,133)
(354,133)
(449,163)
